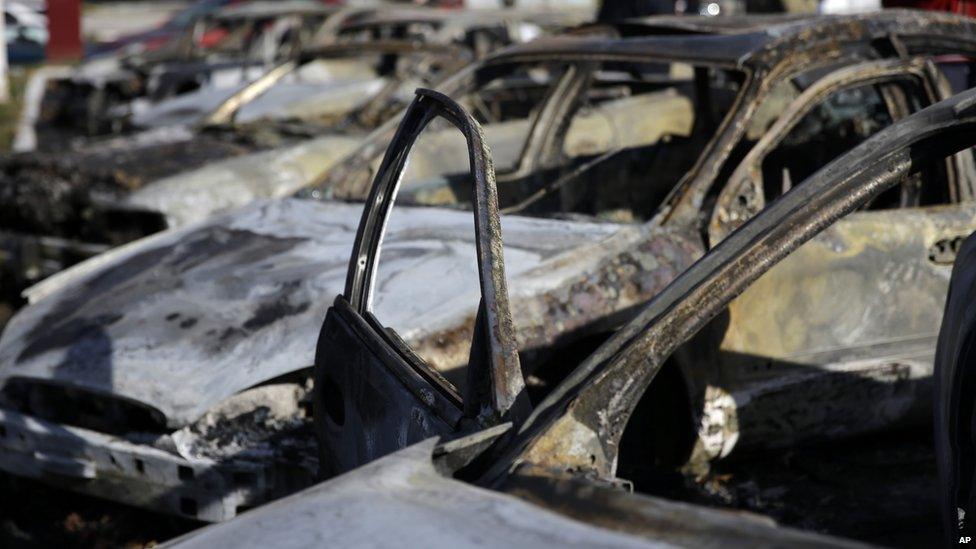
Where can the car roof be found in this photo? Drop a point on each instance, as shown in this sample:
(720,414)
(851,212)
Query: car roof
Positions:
(745,40)
(254,10)
(471,17)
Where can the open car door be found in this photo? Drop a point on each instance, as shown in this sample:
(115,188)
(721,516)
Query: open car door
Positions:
(374,395)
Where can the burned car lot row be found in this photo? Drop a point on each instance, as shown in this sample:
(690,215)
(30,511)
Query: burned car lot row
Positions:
(560,455)
(295,119)
(615,193)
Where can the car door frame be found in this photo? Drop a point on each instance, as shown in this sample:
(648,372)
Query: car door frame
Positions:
(495,389)
(502,372)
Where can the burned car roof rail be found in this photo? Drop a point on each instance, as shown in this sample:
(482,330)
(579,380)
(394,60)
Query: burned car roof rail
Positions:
(761,44)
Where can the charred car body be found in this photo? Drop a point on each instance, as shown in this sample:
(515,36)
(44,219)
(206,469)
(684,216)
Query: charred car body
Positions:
(226,47)
(229,306)
(564,453)
(61,208)
(301,87)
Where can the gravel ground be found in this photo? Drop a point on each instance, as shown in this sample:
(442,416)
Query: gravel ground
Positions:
(34,515)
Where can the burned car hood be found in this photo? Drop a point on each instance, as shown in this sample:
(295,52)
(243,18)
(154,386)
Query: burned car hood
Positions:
(193,196)
(181,320)
(298,99)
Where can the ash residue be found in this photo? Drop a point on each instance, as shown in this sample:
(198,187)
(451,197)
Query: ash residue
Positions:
(50,195)
(268,423)
(879,489)
(74,195)
(56,194)
(37,515)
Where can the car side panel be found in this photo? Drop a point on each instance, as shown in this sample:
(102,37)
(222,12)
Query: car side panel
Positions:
(839,337)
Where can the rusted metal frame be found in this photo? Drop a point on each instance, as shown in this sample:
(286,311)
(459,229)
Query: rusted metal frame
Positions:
(461,82)
(911,28)
(547,142)
(335,183)
(556,109)
(906,27)
(718,147)
(683,203)
(557,133)
(579,425)
(498,375)
(749,170)
(227,111)
(962,166)
(792,54)
(371,113)
(540,142)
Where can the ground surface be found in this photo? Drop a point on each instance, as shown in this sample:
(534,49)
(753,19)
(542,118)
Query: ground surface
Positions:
(33,515)
(879,490)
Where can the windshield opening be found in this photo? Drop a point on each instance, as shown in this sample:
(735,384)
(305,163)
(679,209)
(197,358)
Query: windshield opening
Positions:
(637,129)
(632,130)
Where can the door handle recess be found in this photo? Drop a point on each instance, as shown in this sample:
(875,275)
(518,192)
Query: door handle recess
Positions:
(944,251)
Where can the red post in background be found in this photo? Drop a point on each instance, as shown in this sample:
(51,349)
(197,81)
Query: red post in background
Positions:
(64,29)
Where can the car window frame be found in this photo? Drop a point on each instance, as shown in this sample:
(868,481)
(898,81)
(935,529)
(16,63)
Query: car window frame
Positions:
(682,204)
(495,387)
(746,180)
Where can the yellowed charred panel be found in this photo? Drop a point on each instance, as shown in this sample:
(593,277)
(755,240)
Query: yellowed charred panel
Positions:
(866,280)
(613,125)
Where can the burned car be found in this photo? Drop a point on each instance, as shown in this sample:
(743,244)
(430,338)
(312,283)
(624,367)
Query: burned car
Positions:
(221,49)
(58,209)
(284,72)
(319,82)
(567,452)
(190,327)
